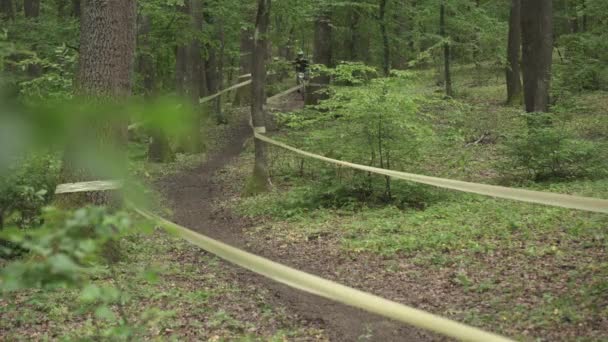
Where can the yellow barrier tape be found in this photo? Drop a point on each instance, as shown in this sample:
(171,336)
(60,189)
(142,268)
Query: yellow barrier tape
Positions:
(236,86)
(326,288)
(548,198)
(285,93)
(88,186)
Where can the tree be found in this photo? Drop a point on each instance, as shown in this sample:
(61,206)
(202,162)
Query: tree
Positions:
(190,73)
(537,52)
(322,55)
(243,95)
(159,149)
(107,49)
(446,51)
(514,87)
(31,8)
(386,60)
(7,11)
(260,180)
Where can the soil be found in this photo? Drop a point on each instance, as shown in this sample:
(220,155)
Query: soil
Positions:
(194,196)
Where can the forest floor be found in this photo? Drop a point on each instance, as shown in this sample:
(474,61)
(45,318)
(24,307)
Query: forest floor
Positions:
(526,271)
(196,195)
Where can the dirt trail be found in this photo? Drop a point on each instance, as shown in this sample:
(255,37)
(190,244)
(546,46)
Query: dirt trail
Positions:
(193,194)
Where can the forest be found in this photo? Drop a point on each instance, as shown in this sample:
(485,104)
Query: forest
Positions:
(303,170)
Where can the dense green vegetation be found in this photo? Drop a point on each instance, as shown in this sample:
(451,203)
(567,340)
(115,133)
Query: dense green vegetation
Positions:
(511,93)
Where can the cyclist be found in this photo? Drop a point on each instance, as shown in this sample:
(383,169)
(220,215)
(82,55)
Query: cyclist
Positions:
(301,64)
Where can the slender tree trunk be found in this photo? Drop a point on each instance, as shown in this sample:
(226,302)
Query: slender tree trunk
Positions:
(107,50)
(243,94)
(585,16)
(514,87)
(260,180)
(537,52)
(355,35)
(322,55)
(31,8)
(386,52)
(77,7)
(7,10)
(446,53)
(219,114)
(189,70)
(159,150)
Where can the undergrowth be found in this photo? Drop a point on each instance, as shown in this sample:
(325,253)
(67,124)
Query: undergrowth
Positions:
(533,270)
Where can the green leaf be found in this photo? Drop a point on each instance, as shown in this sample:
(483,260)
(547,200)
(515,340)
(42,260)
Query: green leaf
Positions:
(104,312)
(90,293)
(62,263)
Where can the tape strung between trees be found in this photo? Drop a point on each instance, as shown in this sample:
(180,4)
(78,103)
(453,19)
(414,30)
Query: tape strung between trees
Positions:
(522,195)
(326,288)
(302,280)
(236,86)
(88,186)
(340,293)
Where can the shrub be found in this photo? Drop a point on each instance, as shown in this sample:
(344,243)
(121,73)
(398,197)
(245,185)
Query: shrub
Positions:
(584,64)
(551,151)
(27,187)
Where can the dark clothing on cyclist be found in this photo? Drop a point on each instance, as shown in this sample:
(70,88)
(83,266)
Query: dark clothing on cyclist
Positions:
(301,64)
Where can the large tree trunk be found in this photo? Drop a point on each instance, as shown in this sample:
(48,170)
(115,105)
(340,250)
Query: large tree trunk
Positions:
(514,87)
(386,51)
(260,180)
(7,10)
(31,8)
(322,55)
(446,53)
(107,49)
(537,52)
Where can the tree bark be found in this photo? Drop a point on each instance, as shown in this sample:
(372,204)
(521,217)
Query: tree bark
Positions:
(243,94)
(322,54)
(386,52)
(355,36)
(159,149)
(260,180)
(221,56)
(514,87)
(7,10)
(189,76)
(77,8)
(446,53)
(585,20)
(107,50)
(31,8)
(537,52)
